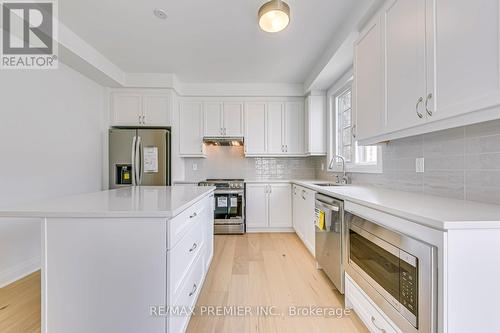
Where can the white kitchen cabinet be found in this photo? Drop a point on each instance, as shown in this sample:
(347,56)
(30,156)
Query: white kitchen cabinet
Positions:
(464,55)
(233,117)
(275,145)
(223,119)
(315,125)
(141,108)
(213,119)
(191,129)
(268,207)
(257,205)
(304,215)
(293,128)
(368,93)
(441,68)
(404,36)
(255,128)
(280,206)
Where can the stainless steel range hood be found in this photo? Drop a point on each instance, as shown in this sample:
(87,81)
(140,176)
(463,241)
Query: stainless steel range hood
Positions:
(223,141)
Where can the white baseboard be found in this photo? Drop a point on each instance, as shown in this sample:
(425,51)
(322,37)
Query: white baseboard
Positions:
(14,273)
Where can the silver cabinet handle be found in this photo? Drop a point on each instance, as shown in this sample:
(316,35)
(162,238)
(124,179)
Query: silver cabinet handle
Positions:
(420,101)
(286,148)
(429,97)
(144,120)
(140,119)
(354,131)
(221,131)
(193,216)
(194,290)
(376,326)
(303,195)
(193,247)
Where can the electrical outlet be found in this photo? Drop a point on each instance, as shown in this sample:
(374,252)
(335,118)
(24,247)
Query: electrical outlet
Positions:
(420,165)
(195,166)
(322,166)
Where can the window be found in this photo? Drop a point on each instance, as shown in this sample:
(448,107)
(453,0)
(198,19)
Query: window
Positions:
(358,158)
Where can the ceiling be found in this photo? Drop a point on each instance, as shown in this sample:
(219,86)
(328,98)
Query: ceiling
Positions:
(215,41)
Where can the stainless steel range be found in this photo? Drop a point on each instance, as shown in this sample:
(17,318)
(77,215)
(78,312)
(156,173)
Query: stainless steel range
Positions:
(229,213)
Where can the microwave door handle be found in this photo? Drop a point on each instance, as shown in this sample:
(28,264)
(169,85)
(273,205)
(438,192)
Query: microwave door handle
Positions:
(134,142)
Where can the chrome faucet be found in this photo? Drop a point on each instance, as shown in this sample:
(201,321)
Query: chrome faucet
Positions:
(345,179)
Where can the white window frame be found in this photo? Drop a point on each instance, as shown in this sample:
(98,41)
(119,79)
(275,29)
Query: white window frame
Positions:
(335,91)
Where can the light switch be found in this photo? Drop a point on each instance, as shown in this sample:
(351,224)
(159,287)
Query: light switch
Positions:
(420,165)
(195,166)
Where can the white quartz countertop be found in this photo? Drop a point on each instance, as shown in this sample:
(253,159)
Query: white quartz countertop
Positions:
(435,212)
(143,201)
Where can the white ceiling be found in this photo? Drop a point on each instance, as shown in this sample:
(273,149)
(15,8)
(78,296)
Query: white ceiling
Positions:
(208,40)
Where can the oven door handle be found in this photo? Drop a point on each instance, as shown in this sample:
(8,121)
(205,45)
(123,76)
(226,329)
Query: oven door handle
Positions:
(229,192)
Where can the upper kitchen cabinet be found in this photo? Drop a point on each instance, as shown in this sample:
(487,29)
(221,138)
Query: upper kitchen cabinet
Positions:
(255,128)
(463,52)
(140,108)
(293,128)
(274,128)
(315,125)
(223,119)
(405,70)
(368,93)
(191,129)
(441,65)
(232,119)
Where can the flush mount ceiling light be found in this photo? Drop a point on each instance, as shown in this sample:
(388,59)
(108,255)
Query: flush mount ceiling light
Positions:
(274,16)
(160,13)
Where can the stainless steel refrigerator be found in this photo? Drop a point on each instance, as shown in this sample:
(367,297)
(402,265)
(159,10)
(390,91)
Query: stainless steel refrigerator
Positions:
(139,156)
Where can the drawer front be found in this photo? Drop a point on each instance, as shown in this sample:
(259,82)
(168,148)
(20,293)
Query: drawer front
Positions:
(187,297)
(182,256)
(369,313)
(179,225)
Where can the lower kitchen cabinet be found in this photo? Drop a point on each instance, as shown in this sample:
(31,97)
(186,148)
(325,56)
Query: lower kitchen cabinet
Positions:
(268,207)
(304,215)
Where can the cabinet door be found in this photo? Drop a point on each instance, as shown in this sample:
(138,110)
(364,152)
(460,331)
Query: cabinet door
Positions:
(257,206)
(296,210)
(156,110)
(255,128)
(213,119)
(466,43)
(368,93)
(280,206)
(126,108)
(404,35)
(233,119)
(293,129)
(191,128)
(275,143)
(309,207)
(315,129)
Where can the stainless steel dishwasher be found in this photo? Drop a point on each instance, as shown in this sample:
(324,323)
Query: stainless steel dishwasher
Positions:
(330,238)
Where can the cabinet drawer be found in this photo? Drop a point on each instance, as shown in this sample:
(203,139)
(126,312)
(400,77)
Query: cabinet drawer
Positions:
(187,297)
(369,313)
(182,256)
(180,225)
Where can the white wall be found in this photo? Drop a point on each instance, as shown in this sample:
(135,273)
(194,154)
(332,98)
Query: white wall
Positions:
(51,129)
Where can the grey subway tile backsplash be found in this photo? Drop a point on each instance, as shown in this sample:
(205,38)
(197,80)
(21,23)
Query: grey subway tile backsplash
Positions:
(461,163)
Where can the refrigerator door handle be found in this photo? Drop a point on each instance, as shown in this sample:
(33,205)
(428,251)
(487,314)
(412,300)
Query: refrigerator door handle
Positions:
(139,160)
(134,143)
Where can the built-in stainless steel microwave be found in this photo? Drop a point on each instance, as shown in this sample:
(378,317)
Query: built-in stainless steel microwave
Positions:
(396,271)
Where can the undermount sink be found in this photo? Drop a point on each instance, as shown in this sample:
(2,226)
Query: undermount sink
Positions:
(327,184)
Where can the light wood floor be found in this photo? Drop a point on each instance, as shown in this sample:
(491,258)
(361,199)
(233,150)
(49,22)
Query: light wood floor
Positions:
(268,270)
(20,304)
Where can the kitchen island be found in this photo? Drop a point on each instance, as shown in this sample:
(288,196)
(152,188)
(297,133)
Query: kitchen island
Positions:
(112,260)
